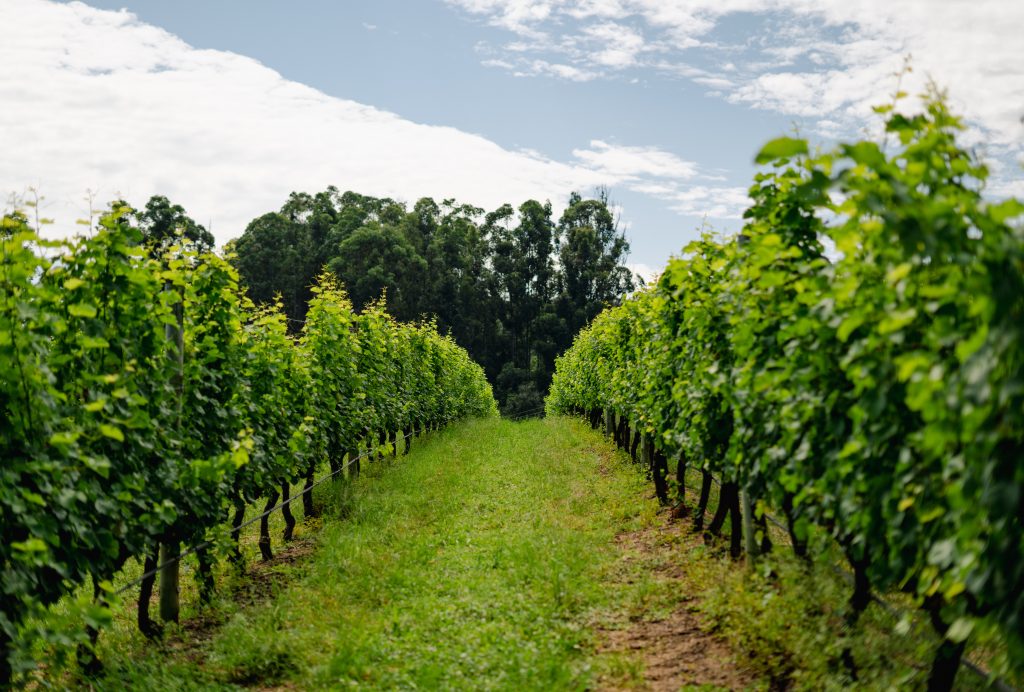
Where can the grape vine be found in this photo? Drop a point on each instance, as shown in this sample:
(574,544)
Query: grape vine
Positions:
(118,436)
(873,391)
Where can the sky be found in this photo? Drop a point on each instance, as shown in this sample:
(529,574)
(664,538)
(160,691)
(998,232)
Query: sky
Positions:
(227,106)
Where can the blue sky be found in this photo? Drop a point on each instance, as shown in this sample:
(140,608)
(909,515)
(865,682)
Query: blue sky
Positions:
(663,101)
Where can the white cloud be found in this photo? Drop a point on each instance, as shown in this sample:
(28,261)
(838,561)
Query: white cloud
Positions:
(628,162)
(712,202)
(569,72)
(515,15)
(665,176)
(103,102)
(646,272)
(98,100)
(618,45)
(1008,188)
(715,82)
(504,64)
(829,59)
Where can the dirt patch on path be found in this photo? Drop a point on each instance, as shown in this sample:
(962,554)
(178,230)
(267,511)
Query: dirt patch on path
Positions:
(676,651)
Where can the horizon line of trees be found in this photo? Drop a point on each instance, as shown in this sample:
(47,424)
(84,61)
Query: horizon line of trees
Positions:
(512,286)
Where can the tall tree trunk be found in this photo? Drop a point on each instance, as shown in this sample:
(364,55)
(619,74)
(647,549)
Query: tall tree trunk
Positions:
(351,459)
(169,574)
(634,444)
(766,539)
(334,452)
(735,525)
(356,462)
(681,508)
(646,454)
(749,527)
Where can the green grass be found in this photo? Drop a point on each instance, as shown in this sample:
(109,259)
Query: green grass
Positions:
(488,559)
(484,560)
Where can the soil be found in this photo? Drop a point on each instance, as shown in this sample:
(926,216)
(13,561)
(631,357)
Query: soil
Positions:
(677,651)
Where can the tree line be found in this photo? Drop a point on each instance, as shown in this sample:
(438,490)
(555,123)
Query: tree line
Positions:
(512,286)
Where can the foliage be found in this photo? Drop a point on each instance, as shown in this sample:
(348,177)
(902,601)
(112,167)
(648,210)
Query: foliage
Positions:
(876,395)
(511,286)
(117,434)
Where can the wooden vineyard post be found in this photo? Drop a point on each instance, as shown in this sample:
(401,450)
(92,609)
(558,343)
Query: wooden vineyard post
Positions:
(169,572)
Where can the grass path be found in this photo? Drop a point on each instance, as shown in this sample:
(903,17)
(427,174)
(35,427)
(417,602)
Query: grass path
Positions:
(498,555)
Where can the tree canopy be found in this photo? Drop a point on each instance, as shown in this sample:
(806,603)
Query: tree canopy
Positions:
(512,286)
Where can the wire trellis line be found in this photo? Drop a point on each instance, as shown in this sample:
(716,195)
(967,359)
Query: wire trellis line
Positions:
(236,530)
(191,550)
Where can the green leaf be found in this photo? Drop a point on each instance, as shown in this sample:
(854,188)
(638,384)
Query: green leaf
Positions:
(100,465)
(866,153)
(960,630)
(112,432)
(783,147)
(83,310)
(32,545)
(848,325)
(93,342)
(968,347)
(64,438)
(897,273)
(897,320)
(1006,210)
(34,498)
(850,448)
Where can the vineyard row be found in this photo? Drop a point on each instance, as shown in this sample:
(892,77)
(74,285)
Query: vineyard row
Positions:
(853,359)
(145,401)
